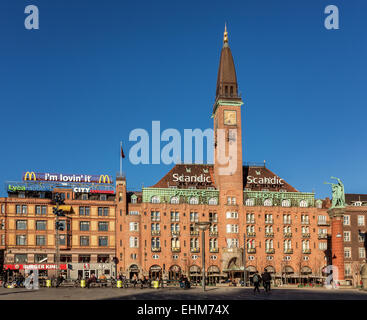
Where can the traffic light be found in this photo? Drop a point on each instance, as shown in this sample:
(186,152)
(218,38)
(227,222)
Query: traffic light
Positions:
(59,198)
(59,226)
(58,212)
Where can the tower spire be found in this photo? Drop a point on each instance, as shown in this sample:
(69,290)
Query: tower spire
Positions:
(227,87)
(225,37)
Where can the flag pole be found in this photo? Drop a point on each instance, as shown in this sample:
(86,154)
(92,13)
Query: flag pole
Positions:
(121,158)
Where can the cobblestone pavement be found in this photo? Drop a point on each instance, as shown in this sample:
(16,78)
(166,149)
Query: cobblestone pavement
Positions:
(218,293)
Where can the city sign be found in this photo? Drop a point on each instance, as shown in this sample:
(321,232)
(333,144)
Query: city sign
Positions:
(78,178)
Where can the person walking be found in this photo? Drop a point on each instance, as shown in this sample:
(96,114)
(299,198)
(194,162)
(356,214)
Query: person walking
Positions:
(266,277)
(256,280)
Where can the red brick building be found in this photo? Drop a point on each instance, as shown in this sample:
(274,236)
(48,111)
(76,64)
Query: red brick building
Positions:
(257,219)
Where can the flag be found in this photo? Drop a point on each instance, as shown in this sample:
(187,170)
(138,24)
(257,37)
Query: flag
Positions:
(122,153)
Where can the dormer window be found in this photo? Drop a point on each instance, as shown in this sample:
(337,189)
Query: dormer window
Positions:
(357,203)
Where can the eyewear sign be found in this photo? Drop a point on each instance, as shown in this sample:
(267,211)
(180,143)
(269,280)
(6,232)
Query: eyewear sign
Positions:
(53,177)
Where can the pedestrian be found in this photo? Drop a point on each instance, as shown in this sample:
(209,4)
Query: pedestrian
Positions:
(266,277)
(256,280)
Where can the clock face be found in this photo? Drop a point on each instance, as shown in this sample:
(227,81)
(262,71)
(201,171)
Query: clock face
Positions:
(230,117)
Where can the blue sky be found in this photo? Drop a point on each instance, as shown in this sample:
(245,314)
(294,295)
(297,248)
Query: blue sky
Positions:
(95,70)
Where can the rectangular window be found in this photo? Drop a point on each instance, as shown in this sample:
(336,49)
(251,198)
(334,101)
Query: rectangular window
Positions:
(24,209)
(362,253)
(62,240)
(103,258)
(21,240)
(346,236)
(346,220)
(38,210)
(347,253)
(18,209)
(40,240)
(20,258)
(361,220)
(41,225)
(323,245)
(84,241)
(84,211)
(21,224)
(44,210)
(65,258)
(134,243)
(84,225)
(134,226)
(102,226)
(103,241)
(40,258)
(84,258)
(347,269)
(103,211)
(3,208)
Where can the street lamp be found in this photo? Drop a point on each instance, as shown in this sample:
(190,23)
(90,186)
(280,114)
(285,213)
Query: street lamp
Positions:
(203,226)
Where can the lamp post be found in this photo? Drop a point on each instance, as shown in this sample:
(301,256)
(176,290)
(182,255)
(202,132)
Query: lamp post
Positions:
(203,226)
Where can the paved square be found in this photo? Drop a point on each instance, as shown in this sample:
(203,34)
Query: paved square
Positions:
(216,293)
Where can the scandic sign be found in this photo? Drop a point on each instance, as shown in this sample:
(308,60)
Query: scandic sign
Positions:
(34,266)
(31,175)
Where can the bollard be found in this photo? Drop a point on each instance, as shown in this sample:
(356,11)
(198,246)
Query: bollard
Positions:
(119,284)
(48,283)
(82,283)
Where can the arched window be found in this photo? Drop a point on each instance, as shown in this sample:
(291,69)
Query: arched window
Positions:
(155,199)
(286,203)
(268,203)
(303,204)
(194,200)
(213,201)
(250,202)
(175,200)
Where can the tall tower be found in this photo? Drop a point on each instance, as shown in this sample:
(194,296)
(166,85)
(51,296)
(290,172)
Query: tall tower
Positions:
(228,169)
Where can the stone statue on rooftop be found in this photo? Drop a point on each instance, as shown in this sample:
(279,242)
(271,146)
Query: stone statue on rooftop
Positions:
(338,200)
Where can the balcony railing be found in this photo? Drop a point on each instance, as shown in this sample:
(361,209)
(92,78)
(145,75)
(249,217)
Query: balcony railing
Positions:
(156,232)
(306,251)
(269,234)
(213,233)
(306,235)
(306,222)
(213,250)
(194,250)
(251,234)
(270,250)
(194,233)
(287,222)
(175,232)
(251,250)
(175,220)
(250,221)
(269,221)
(176,249)
(155,219)
(288,251)
(322,236)
(288,235)
(156,249)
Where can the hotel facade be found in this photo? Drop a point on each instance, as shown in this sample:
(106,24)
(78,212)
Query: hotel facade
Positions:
(257,220)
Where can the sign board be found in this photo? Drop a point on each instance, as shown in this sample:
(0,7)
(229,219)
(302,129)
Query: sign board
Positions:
(60,177)
(34,266)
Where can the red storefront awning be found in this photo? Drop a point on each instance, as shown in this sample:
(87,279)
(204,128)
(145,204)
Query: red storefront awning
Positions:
(35,266)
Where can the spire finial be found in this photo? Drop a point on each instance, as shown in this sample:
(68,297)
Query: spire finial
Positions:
(225,38)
